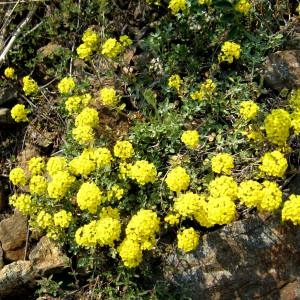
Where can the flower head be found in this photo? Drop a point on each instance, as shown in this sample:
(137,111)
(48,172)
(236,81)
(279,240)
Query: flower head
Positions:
(190,138)
(9,72)
(29,86)
(19,113)
(66,85)
(229,51)
(178,179)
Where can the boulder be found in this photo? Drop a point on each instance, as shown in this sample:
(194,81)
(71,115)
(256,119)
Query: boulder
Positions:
(248,259)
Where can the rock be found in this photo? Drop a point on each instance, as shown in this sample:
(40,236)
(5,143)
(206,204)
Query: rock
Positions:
(13,232)
(7,94)
(1,258)
(5,116)
(14,255)
(282,70)
(16,277)
(47,257)
(247,259)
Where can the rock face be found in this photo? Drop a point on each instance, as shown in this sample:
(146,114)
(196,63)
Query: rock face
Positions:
(249,259)
(282,70)
(13,236)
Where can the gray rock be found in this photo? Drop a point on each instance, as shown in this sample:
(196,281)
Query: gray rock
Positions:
(248,259)
(282,70)
(48,258)
(13,232)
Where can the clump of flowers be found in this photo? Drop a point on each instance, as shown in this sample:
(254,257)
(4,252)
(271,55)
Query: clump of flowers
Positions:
(108,96)
(205,90)
(36,165)
(271,198)
(102,157)
(277,126)
(29,85)
(190,138)
(291,210)
(56,164)
(90,40)
(44,220)
(82,165)
(66,85)
(87,117)
(76,103)
(19,113)
(177,5)
(18,176)
(223,186)
(248,110)
(38,185)
(60,184)
(221,210)
(178,179)
(9,73)
(295,121)
(111,48)
(207,2)
(123,150)
(243,6)
(229,52)
(62,218)
(23,203)
(250,193)
(143,172)
(175,82)
(125,40)
(83,134)
(188,239)
(140,235)
(222,163)
(274,164)
(89,197)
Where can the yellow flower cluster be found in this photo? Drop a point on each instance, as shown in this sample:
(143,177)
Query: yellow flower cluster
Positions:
(207,2)
(124,169)
(60,184)
(90,41)
(243,7)
(19,113)
(36,165)
(44,220)
(250,192)
(175,82)
(108,96)
(277,126)
(29,86)
(123,150)
(177,5)
(140,235)
(229,51)
(109,212)
(38,185)
(291,209)
(178,179)
(295,99)
(62,218)
(188,239)
(274,164)
(295,122)
(87,117)
(23,203)
(125,40)
(66,85)
(115,192)
(17,176)
(83,135)
(76,103)
(172,218)
(190,138)
(9,72)
(248,110)
(143,172)
(103,232)
(220,210)
(89,197)
(205,90)
(223,186)
(102,157)
(111,48)
(82,165)
(222,163)
(56,164)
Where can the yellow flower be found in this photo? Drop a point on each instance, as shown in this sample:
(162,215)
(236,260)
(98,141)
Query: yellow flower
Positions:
(172,218)
(222,163)
(175,82)
(123,150)
(90,38)
(274,164)
(125,40)
(44,220)
(87,117)
(291,210)
(108,96)
(66,85)
(130,252)
(62,218)
(19,113)
(229,51)
(207,2)
(60,184)
(36,165)
(143,172)
(178,179)
(84,51)
(23,203)
(89,197)
(248,110)
(29,86)
(56,164)
(82,166)
(188,239)
(83,134)
(177,5)
(190,138)
(17,176)
(271,198)
(205,90)
(9,72)
(111,48)
(223,186)
(243,7)
(76,103)
(38,185)
(102,157)
(250,193)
